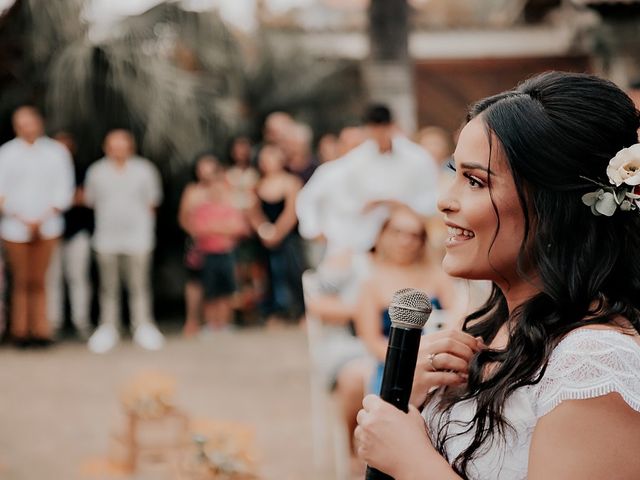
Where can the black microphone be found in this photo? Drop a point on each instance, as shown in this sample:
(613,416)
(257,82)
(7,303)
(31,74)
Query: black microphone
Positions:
(409,311)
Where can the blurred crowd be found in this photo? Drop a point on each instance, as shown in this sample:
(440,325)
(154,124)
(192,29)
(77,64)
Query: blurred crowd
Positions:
(277,233)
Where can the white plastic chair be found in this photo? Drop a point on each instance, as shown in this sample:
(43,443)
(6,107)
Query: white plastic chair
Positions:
(326,424)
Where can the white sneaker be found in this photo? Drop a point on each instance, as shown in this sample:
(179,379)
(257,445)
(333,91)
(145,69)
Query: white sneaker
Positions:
(148,337)
(104,339)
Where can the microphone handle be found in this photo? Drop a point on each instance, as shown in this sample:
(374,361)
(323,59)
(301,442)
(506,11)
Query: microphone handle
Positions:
(397,379)
(373,474)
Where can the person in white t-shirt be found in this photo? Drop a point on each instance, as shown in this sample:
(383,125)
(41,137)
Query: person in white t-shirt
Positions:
(346,201)
(124,190)
(36,186)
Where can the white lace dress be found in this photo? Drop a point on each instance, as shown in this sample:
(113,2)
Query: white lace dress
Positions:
(587,363)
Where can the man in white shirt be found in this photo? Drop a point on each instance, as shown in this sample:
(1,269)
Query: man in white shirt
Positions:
(124,191)
(36,186)
(346,201)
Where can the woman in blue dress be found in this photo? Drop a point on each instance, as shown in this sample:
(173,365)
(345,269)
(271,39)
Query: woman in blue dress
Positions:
(405,264)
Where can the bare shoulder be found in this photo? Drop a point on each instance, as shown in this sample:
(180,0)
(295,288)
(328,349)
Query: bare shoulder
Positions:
(587,439)
(373,286)
(190,189)
(293,183)
(192,193)
(372,283)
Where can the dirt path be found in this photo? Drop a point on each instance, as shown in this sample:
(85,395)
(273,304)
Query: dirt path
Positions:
(58,407)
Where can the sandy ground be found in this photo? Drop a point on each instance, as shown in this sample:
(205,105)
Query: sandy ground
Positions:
(58,407)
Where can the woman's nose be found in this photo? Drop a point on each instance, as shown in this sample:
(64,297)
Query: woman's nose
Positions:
(447,204)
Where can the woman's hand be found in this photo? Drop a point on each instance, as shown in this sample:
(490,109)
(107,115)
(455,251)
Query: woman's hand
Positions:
(268,235)
(390,440)
(443,359)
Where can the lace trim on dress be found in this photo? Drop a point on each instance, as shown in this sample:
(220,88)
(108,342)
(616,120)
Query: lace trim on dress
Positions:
(589,363)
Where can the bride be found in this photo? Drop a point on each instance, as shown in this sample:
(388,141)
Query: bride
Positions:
(543,382)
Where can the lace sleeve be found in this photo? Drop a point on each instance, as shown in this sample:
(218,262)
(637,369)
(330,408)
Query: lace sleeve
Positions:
(590,363)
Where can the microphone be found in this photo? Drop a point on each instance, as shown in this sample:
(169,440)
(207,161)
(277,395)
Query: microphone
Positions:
(409,311)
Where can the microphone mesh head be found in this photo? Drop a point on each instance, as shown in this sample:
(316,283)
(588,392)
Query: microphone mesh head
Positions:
(410,308)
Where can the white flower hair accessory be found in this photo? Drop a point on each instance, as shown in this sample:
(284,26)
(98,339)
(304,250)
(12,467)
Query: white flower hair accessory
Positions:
(624,192)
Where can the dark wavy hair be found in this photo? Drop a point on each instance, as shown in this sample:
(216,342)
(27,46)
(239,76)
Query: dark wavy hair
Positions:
(554,131)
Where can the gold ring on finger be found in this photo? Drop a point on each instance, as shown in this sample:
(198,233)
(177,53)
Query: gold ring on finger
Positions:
(430,359)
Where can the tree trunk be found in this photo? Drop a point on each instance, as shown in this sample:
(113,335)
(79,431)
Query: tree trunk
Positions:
(389,30)
(389,70)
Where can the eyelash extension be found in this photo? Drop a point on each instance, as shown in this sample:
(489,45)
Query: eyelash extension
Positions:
(471,178)
(450,165)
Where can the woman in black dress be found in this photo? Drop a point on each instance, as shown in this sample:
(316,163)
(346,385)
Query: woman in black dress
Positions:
(274,219)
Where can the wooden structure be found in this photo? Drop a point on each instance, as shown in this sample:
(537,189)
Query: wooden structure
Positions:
(446,87)
(154,439)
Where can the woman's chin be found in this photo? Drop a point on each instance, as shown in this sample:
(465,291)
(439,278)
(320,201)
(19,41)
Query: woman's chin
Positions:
(455,268)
